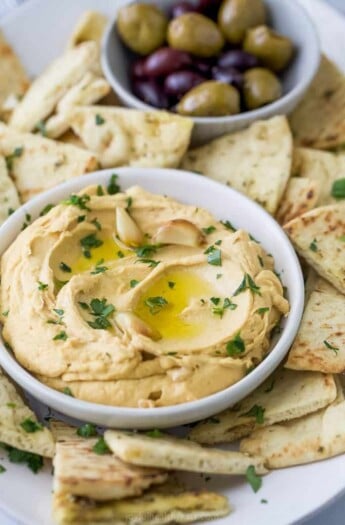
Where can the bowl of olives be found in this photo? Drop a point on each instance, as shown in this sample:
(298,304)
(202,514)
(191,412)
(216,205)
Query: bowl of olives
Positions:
(224,63)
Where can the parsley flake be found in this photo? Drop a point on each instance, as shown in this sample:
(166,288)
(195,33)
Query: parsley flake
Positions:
(78,200)
(96,223)
(331,347)
(99,268)
(247,284)
(101,311)
(46,209)
(253,479)
(151,262)
(41,128)
(67,391)
(113,186)
(236,346)
(133,283)
(99,120)
(64,267)
(171,284)
(42,286)
(155,433)
(61,336)
(100,191)
(209,229)
(2,469)
(228,225)
(87,430)
(146,250)
(33,461)
(261,311)
(89,242)
(214,256)
(155,304)
(101,447)
(17,152)
(338,189)
(313,246)
(256,411)
(30,426)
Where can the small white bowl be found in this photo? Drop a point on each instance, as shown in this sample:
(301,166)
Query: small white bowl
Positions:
(286,16)
(226,204)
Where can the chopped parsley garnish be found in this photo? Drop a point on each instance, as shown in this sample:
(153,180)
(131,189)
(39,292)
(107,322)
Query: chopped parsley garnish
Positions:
(67,391)
(87,430)
(129,202)
(84,306)
(46,209)
(262,310)
(151,262)
(171,284)
(89,242)
(64,267)
(42,286)
(214,256)
(133,283)
(101,311)
(338,189)
(99,120)
(41,127)
(247,284)
(146,250)
(209,229)
(30,426)
(155,304)
(155,433)
(313,246)
(27,221)
(253,479)
(11,405)
(60,314)
(100,191)
(236,346)
(61,336)
(2,469)
(219,275)
(120,254)
(256,411)
(33,461)
(220,309)
(113,186)
(5,314)
(99,268)
(78,200)
(96,223)
(228,225)
(331,347)
(218,243)
(101,447)
(17,152)
(261,262)
(10,211)
(263,501)
(81,218)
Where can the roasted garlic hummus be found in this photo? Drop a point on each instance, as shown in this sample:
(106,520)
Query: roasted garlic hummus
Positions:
(133,299)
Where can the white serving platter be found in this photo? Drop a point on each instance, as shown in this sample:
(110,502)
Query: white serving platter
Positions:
(38,31)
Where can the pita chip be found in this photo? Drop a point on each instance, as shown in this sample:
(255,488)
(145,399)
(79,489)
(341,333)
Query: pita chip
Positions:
(319,119)
(318,236)
(300,196)
(283,396)
(320,341)
(121,136)
(90,26)
(47,90)
(36,163)
(255,161)
(19,427)
(153,508)
(9,200)
(14,81)
(178,454)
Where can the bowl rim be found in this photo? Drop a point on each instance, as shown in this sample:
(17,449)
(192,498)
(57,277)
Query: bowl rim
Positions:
(257,114)
(189,410)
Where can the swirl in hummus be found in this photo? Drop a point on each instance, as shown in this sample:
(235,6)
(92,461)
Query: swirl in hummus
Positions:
(133,299)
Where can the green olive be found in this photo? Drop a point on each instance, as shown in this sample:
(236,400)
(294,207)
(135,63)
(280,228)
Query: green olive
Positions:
(236,16)
(261,87)
(142,27)
(210,99)
(273,50)
(195,34)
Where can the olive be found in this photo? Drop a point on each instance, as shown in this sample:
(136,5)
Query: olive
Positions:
(230,75)
(210,99)
(208,7)
(273,50)
(178,83)
(150,92)
(238,59)
(203,66)
(261,87)
(236,16)
(138,68)
(142,27)
(165,61)
(181,8)
(195,34)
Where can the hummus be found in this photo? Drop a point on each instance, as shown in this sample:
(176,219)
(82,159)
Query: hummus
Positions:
(137,300)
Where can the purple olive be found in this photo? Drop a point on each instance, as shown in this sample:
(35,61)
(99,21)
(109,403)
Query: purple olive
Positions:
(238,59)
(181,8)
(203,66)
(230,75)
(178,83)
(150,92)
(208,7)
(138,68)
(165,61)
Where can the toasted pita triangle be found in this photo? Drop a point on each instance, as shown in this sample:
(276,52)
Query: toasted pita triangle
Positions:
(9,200)
(178,454)
(283,396)
(255,161)
(90,26)
(322,325)
(300,196)
(13,412)
(319,237)
(46,91)
(38,163)
(14,81)
(153,508)
(319,119)
(127,136)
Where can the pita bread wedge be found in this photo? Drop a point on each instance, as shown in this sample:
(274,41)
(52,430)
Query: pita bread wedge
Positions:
(320,341)
(14,81)
(90,26)
(135,138)
(36,163)
(47,90)
(283,396)
(9,200)
(311,438)
(19,427)
(178,454)
(319,119)
(300,196)
(153,508)
(78,470)
(321,167)
(318,236)
(255,161)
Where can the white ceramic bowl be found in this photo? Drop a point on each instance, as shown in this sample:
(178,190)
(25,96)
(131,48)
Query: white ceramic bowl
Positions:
(226,204)
(286,16)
